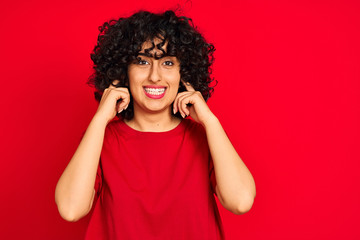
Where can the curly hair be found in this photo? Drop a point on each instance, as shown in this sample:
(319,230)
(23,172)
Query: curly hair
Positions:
(120,42)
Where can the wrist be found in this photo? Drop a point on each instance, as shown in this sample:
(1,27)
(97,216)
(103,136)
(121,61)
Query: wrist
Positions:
(98,119)
(210,121)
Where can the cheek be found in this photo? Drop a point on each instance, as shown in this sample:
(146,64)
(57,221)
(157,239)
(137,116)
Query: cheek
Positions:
(175,89)
(135,81)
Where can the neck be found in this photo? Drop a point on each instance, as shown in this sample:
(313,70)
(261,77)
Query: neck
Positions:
(153,122)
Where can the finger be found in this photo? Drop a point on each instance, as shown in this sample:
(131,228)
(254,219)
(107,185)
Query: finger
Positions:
(121,89)
(118,90)
(182,104)
(188,86)
(114,83)
(121,94)
(176,102)
(185,108)
(123,105)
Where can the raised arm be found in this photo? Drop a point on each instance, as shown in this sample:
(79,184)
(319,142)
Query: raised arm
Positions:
(74,193)
(235,186)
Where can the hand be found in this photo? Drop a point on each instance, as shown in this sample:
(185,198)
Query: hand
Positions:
(108,106)
(191,103)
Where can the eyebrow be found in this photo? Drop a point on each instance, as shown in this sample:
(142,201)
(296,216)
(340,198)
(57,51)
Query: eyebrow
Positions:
(147,54)
(157,57)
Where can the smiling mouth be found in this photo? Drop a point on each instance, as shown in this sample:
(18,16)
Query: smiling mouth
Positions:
(155,93)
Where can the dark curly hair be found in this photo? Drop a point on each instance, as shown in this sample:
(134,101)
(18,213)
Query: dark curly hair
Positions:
(120,42)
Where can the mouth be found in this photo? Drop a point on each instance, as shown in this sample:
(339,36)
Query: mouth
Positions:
(155,92)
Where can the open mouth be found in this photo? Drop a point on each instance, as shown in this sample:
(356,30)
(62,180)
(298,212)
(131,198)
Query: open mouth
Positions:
(155,92)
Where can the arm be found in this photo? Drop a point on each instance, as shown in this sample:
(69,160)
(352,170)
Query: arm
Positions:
(235,185)
(74,193)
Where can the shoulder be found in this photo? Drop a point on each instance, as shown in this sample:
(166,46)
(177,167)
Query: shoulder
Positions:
(193,127)
(114,123)
(195,135)
(112,128)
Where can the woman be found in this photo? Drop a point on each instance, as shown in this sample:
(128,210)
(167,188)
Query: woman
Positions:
(152,174)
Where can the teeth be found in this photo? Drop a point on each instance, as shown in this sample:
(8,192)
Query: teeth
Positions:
(155,91)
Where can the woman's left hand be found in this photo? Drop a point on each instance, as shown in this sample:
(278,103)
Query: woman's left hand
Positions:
(191,103)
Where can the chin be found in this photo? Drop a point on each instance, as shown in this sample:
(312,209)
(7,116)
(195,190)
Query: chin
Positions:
(157,109)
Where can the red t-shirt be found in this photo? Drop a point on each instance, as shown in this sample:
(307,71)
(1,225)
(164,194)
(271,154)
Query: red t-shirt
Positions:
(155,185)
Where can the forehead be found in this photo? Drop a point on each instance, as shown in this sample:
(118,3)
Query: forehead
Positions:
(154,48)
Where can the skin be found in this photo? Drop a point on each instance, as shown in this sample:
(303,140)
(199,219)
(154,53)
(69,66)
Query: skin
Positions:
(75,192)
(154,114)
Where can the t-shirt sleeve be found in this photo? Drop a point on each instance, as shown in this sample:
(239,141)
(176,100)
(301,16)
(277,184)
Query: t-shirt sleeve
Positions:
(212,175)
(202,133)
(98,180)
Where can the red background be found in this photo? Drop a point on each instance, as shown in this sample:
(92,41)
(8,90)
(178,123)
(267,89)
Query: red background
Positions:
(288,96)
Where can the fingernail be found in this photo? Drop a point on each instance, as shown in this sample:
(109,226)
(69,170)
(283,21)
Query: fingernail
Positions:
(174,110)
(126,107)
(182,115)
(120,111)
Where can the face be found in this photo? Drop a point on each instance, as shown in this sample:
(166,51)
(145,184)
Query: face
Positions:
(154,83)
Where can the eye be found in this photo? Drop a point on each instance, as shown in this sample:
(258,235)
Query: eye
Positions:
(142,62)
(168,63)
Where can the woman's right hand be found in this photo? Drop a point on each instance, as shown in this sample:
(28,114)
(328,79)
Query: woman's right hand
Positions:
(108,106)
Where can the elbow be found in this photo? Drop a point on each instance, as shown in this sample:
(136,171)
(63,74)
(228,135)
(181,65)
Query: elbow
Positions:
(68,215)
(71,213)
(71,210)
(244,208)
(64,210)
(244,205)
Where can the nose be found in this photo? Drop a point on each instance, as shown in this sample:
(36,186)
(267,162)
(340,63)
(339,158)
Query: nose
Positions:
(155,73)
